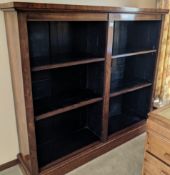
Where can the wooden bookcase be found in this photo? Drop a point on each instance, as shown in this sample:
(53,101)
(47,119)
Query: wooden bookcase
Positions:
(83,79)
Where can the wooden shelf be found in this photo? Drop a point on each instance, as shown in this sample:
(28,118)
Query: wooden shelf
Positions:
(64,100)
(67,108)
(133,53)
(67,64)
(134,86)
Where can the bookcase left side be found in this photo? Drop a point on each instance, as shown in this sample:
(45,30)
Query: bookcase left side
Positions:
(25,157)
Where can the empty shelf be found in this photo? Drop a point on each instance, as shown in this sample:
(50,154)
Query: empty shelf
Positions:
(49,107)
(129,53)
(129,86)
(67,64)
(56,149)
(119,122)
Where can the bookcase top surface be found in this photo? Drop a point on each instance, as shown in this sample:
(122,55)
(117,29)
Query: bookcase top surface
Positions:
(26,6)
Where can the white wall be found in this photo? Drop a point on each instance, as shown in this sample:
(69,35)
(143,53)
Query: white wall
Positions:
(8,132)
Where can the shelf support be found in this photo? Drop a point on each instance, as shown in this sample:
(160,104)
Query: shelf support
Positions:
(107,78)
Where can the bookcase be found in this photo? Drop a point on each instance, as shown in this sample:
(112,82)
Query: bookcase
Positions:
(83,79)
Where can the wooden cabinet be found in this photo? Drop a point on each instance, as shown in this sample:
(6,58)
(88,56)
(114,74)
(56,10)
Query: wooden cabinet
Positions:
(83,79)
(157,155)
(154,166)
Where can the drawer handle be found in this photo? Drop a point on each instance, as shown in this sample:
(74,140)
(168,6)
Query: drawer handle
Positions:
(167,156)
(164,173)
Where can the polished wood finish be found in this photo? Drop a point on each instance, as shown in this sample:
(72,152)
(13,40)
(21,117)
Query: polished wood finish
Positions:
(106,94)
(132,17)
(62,94)
(131,89)
(157,148)
(67,108)
(8,164)
(23,34)
(67,17)
(133,54)
(72,63)
(77,8)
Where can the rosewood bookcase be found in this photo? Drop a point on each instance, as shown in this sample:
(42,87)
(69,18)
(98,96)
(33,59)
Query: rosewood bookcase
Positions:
(83,79)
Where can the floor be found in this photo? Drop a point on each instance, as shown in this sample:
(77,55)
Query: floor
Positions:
(124,160)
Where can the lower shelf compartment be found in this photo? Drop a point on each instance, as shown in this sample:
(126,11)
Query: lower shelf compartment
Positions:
(119,122)
(65,146)
(97,149)
(128,109)
(68,132)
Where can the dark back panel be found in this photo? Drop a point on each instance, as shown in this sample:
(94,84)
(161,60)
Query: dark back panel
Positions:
(59,87)
(67,132)
(128,71)
(132,36)
(138,102)
(39,40)
(141,67)
(56,42)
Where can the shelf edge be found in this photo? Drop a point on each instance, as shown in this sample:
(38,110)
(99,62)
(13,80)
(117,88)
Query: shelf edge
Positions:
(67,108)
(134,53)
(127,90)
(67,64)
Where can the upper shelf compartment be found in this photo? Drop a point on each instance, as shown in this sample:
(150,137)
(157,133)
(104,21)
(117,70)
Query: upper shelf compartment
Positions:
(60,90)
(135,37)
(53,44)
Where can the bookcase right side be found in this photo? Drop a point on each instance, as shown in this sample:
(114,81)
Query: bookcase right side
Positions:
(134,59)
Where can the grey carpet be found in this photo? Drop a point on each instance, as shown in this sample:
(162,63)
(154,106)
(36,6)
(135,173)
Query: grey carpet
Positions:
(126,159)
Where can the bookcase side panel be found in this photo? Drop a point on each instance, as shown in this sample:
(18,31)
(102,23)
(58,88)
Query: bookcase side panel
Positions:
(11,23)
(26,72)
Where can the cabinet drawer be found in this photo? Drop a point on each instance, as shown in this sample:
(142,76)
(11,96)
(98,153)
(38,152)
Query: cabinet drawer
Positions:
(158,146)
(153,166)
(158,127)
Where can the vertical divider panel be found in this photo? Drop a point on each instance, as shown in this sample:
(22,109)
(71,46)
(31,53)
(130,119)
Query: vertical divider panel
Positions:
(25,60)
(107,79)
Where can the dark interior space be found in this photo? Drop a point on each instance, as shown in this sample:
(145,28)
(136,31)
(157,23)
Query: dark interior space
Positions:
(67,61)
(65,133)
(127,72)
(57,88)
(129,109)
(133,36)
(58,42)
